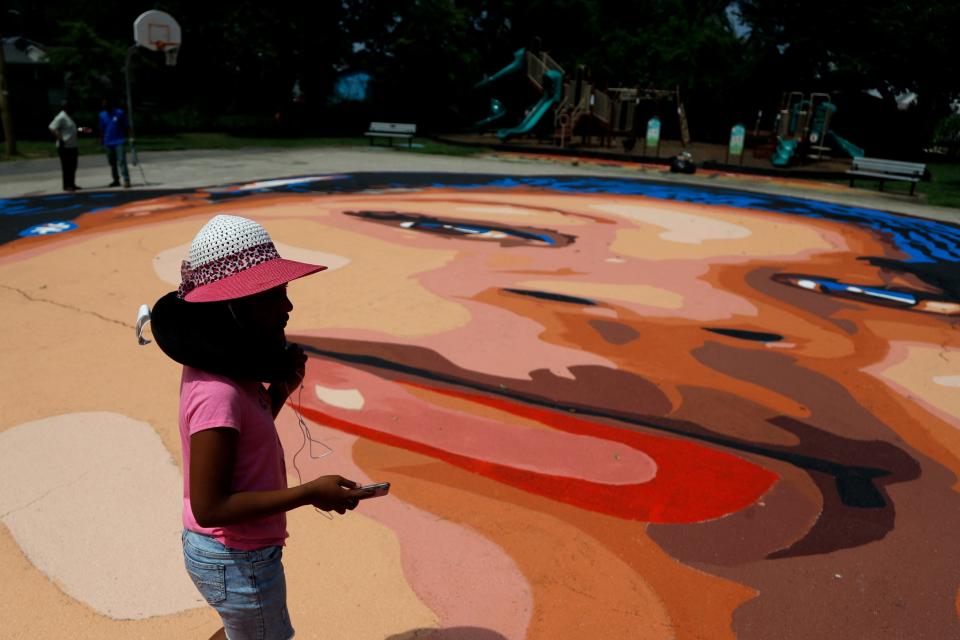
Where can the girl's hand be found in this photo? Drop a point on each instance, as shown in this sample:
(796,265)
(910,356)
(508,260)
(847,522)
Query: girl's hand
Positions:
(295,362)
(334,493)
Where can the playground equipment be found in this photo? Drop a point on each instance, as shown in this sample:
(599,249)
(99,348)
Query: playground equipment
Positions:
(630,120)
(497,109)
(574,102)
(580,101)
(545,75)
(552,83)
(803,128)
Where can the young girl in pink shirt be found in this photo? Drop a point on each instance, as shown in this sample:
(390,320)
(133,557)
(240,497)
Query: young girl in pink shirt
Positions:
(225,324)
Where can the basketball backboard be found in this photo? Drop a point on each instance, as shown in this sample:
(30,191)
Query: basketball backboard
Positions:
(158,31)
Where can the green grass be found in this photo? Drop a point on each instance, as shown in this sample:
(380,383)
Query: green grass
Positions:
(944,186)
(186,141)
(943,189)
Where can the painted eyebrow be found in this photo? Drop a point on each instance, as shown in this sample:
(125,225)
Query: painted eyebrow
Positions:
(465,228)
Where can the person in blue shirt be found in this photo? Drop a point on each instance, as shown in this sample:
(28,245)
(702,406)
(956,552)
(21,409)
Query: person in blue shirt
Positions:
(114,128)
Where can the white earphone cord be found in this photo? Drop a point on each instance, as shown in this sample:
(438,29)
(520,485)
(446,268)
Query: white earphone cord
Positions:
(307,438)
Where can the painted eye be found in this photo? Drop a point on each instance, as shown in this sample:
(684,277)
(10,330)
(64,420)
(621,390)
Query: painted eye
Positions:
(883,296)
(505,235)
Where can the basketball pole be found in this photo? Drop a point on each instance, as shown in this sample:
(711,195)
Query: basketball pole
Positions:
(133,148)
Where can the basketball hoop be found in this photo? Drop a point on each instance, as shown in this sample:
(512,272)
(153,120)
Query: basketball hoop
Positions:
(169,50)
(158,31)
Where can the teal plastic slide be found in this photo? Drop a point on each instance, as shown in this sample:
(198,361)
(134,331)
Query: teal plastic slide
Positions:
(852,150)
(513,67)
(497,111)
(784,152)
(552,95)
(787,148)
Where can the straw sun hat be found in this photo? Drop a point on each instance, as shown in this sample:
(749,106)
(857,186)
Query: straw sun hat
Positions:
(232,257)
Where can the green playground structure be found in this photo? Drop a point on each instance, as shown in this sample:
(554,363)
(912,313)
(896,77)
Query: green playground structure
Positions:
(784,152)
(803,126)
(517,64)
(497,111)
(552,94)
(540,73)
(852,150)
(570,103)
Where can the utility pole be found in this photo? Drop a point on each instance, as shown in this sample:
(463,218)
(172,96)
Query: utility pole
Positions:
(10,141)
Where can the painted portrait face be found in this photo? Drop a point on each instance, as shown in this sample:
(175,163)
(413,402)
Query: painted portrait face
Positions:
(695,390)
(722,373)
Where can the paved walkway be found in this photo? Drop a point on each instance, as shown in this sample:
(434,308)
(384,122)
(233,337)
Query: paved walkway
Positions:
(183,169)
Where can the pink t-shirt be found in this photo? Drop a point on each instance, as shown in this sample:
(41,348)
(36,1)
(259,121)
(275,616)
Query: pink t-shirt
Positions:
(208,400)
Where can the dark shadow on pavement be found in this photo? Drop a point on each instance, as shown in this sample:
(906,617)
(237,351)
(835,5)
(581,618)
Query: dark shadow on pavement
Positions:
(452,633)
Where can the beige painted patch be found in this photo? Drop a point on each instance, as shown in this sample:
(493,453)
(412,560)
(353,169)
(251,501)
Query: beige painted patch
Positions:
(603,312)
(926,373)
(341,398)
(685,228)
(32,607)
(947,381)
(379,289)
(722,234)
(93,500)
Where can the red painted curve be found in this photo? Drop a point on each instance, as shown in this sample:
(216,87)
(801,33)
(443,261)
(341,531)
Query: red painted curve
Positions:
(693,483)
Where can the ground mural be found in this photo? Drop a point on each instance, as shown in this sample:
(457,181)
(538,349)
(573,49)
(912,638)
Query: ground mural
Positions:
(609,408)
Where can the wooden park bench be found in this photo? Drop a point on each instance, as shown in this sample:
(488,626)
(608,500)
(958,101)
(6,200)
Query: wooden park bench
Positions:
(882,170)
(392,130)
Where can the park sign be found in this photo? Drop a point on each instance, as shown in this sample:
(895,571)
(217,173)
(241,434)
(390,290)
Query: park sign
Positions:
(737,136)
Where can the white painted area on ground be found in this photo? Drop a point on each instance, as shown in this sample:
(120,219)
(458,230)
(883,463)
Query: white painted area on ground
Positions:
(341,398)
(94,501)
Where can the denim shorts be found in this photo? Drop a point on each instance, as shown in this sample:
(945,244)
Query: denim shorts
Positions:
(247,588)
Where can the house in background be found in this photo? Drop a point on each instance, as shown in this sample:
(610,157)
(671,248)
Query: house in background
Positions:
(35,91)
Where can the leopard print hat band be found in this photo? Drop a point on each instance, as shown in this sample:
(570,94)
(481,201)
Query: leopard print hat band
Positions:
(232,257)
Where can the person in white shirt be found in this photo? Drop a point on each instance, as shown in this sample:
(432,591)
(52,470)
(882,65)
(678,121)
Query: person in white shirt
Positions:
(65,130)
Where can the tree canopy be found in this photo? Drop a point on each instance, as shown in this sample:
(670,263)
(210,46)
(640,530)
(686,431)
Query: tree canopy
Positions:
(730,60)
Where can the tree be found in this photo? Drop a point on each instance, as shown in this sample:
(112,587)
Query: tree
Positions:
(10,142)
(91,64)
(887,46)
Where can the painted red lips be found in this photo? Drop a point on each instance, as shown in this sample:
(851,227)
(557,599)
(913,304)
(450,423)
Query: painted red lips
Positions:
(567,458)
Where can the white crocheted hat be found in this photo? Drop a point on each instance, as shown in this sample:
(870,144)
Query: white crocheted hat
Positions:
(232,257)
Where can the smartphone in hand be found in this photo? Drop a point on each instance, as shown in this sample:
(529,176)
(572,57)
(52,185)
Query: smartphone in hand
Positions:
(376,490)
